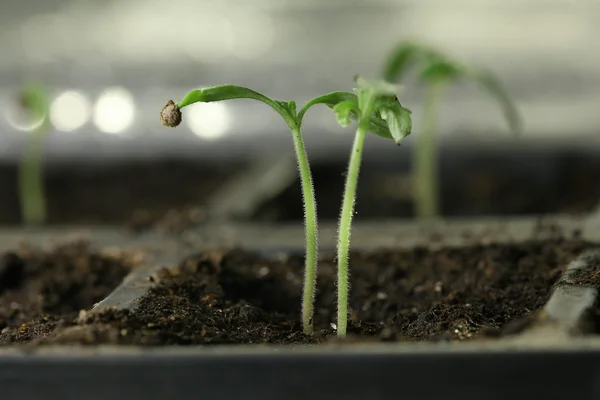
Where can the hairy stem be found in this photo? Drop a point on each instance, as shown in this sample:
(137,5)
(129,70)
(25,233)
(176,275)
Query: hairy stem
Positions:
(343,245)
(311,234)
(425,163)
(31,191)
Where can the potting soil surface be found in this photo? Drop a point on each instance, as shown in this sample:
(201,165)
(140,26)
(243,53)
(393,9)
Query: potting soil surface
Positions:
(238,297)
(43,290)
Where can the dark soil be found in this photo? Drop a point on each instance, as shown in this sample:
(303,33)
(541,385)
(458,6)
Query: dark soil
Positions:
(140,194)
(40,291)
(526,184)
(171,195)
(238,297)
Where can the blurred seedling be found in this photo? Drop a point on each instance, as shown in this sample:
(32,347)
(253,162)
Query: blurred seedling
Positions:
(437,72)
(33,99)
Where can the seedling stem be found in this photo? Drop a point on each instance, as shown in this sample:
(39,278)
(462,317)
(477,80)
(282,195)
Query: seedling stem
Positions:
(424,179)
(347,213)
(310,231)
(377,102)
(31,185)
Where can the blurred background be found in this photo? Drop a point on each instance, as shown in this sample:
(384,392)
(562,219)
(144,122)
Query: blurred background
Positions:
(110,66)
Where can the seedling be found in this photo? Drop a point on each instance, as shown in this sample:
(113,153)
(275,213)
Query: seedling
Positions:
(437,71)
(171,116)
(377,104)
(34,101)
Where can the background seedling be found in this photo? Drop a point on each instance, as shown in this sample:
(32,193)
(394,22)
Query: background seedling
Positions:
(34,100)
(171,116)
(437,71)
(376,106)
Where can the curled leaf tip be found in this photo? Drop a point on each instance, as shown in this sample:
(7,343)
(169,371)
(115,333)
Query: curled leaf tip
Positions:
(170,115)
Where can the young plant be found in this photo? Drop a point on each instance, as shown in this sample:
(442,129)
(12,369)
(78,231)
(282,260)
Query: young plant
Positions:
(171,116)
(34,101)
(437,71)
(378,110)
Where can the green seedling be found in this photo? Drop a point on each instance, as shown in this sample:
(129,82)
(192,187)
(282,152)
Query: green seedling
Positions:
(34,100)
(437,71)
(378,110)
(171,116)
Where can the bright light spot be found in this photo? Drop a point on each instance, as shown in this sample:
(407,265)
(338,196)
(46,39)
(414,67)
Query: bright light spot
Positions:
(69,111)
(208,120)
(114,111)
(20,118)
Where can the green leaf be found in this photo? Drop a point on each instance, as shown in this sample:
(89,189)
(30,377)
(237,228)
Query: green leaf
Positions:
(398,120)
(290,107)
(345,112)
(440,70)
(231,92)
(329,99)
(401,60)
(380,94)
(377,125)
(492,85)
(219,93)
(407,55)
(436,66)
